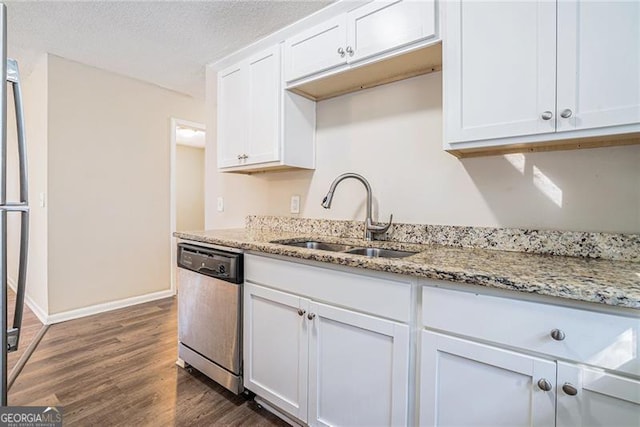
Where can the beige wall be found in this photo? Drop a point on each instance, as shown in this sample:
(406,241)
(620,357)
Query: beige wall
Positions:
(189,188)
(393,136)
(108,156)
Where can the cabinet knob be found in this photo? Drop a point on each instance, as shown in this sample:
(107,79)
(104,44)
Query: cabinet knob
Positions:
(341,52)
(566,113)
(301,312)
(350,50)
(544,384)
(547,115)
(310,316)
(557,335)
(570,389)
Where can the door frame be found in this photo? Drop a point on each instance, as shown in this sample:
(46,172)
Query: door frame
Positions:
(174,124)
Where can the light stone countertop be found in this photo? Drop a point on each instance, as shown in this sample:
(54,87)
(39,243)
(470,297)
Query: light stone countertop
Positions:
(614,283)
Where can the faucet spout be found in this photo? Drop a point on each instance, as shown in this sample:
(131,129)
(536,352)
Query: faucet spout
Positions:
(369,228)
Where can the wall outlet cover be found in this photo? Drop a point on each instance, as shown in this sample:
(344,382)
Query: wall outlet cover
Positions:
(295,205)
(220,204)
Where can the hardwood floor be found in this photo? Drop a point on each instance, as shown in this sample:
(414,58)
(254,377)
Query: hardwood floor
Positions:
(30,327)
(118,368)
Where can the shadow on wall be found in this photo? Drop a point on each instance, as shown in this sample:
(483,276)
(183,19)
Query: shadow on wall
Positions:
(577,188)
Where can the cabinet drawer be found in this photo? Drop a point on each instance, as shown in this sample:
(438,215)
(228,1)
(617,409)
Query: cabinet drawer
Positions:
(598,339)
(381,296)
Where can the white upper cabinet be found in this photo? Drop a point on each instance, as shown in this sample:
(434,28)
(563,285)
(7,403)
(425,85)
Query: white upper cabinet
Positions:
(366,32)
(499,61)
(317,49)
(598,64)
(521,74)
(260,125)
(232,129)
(381,26)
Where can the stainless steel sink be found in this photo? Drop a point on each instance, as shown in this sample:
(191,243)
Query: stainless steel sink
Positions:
(347,249)
(333,247)
(379,253)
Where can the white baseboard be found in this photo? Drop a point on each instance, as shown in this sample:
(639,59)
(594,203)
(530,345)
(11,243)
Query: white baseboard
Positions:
(35,308)
(107,306)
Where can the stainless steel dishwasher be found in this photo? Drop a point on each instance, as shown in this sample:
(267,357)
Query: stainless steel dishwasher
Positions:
(210,313)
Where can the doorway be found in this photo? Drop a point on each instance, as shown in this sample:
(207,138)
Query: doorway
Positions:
(187,181)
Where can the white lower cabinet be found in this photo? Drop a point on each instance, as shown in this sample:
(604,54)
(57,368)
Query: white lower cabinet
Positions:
(358,369)
(591,397)
(322,364)
(585,372)
(275,348)
(463,383)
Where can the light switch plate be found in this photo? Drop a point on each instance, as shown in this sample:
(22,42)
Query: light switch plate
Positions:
(295,205)
(220,203)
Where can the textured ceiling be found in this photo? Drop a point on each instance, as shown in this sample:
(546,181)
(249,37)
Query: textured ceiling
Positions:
(166,43)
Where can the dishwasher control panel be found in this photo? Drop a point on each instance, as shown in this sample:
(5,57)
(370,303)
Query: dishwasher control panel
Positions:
(211,262)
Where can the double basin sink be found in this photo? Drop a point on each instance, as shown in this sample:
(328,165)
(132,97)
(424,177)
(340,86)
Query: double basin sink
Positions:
(347,249)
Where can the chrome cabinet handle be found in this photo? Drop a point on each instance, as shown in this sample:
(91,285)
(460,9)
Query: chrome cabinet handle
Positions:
(544,384)
(570,389)
(557,335)
(350,50)
(341,52)
(566,113)
(310,316)
(301,312)
(547,115)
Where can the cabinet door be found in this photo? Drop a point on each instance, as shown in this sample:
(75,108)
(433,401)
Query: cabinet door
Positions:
(384,25)
(276,348)
(358,369)
(317,49)
(499,62)
(463,383)
(601,399)
(232,115)
(598,63)
(264,86)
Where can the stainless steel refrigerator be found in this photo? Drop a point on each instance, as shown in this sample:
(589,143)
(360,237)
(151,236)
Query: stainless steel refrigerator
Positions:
(11,336)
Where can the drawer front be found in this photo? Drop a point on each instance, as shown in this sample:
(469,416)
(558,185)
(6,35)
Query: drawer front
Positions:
(597,339)
(380,296)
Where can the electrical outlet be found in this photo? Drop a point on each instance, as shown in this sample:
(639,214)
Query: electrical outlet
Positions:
(295,205)
(220,202)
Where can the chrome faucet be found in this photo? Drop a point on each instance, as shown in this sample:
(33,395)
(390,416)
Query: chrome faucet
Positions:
(369,228)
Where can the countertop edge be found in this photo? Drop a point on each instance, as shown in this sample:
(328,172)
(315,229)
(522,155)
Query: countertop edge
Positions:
(612,297)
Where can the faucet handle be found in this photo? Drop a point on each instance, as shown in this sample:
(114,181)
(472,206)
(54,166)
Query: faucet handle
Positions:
(378,229)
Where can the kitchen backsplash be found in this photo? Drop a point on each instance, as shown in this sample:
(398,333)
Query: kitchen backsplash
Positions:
(621,247)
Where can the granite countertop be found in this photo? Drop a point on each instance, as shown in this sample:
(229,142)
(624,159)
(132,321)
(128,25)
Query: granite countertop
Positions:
(615,283)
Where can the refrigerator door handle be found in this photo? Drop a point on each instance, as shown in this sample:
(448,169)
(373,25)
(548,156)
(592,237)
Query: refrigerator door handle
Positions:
(13,334)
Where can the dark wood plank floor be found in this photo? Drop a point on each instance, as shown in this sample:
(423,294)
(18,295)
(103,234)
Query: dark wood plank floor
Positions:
(30,327)
(118,368)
